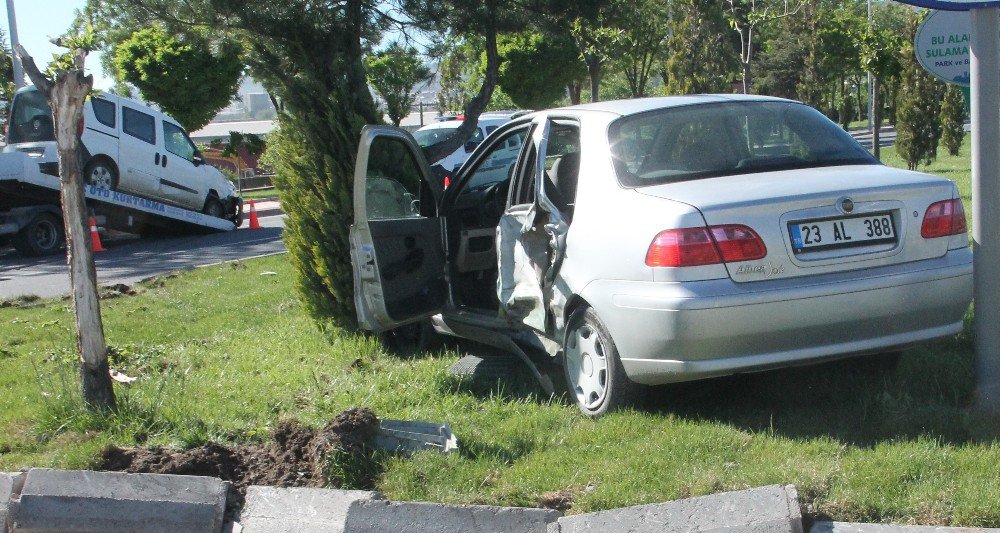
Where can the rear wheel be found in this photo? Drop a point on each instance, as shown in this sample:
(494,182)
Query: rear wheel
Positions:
(44,235)
(593,370)
(101,174)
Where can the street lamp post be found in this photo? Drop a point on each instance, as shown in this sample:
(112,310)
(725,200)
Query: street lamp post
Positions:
(18,70)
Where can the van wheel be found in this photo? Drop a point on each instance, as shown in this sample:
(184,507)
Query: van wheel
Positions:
(100,174)
(593,370)
(214,208)
(44,235)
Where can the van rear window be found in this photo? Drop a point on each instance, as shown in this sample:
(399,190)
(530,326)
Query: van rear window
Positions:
(30,119)
(104,111)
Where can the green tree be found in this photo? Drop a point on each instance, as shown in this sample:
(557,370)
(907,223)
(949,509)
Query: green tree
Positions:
(643,29)
(702,55)
(747,18)
(394,72)
(953,119)
(188,80)
(880,54)
(520,77)
(918,126)
(6,80)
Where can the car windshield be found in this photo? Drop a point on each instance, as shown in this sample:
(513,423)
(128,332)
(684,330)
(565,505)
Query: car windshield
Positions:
(722,139)
(433,136)
(30,119)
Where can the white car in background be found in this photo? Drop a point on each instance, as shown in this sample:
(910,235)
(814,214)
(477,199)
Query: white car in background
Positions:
(657,240)
(129,147)
(439,131)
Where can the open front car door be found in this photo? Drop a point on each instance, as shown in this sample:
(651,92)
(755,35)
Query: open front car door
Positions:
(397,249)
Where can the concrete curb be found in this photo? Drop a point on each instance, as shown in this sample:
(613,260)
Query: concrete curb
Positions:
(298,510)
(770,509)
(850,527)
(10,486)
(55,501)
(375,516)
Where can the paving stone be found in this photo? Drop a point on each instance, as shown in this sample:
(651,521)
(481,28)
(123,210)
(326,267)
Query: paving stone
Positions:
(770,509)
(850,527)
(278,510)
(374,516)
(7,482)
(54,501)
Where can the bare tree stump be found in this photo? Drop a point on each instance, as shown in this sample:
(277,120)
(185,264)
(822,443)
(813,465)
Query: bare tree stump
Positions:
(66,96)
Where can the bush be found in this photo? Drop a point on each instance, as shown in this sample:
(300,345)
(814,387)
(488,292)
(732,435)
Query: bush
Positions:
(953,119)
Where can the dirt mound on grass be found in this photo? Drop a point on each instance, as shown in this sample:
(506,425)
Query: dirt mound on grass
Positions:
(297,456)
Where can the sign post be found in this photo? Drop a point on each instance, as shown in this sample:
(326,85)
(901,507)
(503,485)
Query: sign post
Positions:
(984,63)
(985,52)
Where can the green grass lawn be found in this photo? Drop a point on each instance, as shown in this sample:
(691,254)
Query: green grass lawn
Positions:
(261,194)
(861,444)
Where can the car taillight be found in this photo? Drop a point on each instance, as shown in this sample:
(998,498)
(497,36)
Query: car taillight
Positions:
(447,181)
(704,246)
(943,219)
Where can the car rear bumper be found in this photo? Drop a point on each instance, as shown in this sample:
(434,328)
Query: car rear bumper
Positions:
(669,332)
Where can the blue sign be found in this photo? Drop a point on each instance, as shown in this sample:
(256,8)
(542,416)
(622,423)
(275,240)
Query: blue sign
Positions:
(952,5)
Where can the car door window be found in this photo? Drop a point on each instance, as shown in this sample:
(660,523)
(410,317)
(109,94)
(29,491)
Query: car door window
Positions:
(104,111)
(498,164)
(177,142)
(393,181)
(139,125)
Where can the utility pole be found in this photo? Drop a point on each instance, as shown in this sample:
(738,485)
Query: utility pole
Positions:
(18,70)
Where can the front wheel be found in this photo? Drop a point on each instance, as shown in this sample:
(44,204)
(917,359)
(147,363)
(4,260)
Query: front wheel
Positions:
(592,367)
(214,208)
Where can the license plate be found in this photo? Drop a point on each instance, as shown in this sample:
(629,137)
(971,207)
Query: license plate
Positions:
(843,232)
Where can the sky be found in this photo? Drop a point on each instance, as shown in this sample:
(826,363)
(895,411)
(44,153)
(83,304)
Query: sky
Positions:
(40,20)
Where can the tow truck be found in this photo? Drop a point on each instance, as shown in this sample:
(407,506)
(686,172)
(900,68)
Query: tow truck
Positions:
(31,216)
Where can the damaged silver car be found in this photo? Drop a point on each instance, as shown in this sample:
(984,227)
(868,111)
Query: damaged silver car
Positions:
(660,240)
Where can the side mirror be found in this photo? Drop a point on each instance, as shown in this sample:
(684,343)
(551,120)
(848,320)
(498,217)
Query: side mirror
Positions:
(470,146)
(198,160)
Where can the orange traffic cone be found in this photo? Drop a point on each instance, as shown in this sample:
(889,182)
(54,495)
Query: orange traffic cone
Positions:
(254,223)
(95,238)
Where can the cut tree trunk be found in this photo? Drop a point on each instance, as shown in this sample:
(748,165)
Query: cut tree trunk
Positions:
(66,96)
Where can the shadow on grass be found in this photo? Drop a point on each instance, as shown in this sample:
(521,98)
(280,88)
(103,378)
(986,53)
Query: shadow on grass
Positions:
(854,401)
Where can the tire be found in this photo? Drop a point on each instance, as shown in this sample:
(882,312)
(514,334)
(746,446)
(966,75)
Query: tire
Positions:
(593,370)
(101,174)
(214,208)
(44,235)
(417,337)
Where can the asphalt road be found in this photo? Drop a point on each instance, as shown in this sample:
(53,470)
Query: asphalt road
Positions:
(129,260)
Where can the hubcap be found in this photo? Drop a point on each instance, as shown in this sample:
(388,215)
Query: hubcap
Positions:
(100,177)
(587,366)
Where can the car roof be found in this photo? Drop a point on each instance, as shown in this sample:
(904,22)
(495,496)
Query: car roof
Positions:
(484,119)
(640,105)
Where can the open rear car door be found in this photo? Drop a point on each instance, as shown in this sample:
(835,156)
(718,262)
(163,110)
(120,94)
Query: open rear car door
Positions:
(397,247)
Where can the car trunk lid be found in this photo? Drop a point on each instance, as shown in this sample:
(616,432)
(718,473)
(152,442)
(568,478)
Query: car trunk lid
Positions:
(820,220)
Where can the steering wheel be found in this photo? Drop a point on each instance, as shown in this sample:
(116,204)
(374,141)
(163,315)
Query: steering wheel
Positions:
(37,127)
(495,199)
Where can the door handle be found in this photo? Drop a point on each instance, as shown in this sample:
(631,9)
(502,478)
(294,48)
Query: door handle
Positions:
(156,158)
(164,160)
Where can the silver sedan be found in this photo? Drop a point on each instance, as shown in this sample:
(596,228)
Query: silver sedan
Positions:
(659,240)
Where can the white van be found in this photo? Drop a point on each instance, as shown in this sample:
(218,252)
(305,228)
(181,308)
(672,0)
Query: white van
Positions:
(128,147)
(439,131)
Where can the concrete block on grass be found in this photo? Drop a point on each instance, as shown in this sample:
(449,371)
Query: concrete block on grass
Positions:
(376,516)
(850,527)
(55,501)
(298,510)
(8,486)
(770,509)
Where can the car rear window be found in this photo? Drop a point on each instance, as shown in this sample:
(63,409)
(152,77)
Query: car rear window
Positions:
(30,119)
(719,139)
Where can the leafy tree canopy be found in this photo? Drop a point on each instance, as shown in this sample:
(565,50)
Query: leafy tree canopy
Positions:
(189,80)
(520,76)
(393,73)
